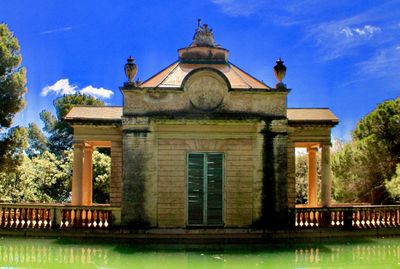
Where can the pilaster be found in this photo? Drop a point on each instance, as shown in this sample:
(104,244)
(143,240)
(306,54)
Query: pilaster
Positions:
(276,211)
(134,139)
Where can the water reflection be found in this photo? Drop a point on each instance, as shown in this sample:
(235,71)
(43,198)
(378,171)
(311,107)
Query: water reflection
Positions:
(45,253)
(367,254)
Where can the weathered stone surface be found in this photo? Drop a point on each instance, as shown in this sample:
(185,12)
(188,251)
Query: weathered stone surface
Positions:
(116,174)
(176,140)
(276,212)
(215,96)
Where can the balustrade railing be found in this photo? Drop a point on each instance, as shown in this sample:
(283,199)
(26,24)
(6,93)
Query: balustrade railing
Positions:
(358,217)
(46,216)
(86,217)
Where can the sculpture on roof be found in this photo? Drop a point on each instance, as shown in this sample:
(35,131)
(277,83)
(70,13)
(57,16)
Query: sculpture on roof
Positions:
(130,69)
(203,36)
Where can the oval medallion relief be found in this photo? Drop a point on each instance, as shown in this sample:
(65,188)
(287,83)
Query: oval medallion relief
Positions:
(205,91)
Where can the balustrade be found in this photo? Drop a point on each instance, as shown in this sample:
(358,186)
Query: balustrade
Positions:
(358,217)
(46,216)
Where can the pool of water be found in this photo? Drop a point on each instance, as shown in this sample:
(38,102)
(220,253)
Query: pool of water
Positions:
(62,253)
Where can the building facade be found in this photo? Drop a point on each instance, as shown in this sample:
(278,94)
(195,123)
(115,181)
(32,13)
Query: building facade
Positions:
(202,144)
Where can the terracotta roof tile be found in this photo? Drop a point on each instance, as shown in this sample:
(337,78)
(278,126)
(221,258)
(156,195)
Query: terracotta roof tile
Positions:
(156,80)
(173,75)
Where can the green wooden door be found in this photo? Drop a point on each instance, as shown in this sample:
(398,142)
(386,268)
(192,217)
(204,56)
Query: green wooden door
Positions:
(205,189)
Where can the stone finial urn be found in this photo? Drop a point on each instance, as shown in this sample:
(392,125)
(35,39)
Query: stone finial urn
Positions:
(279,72)
(130,70)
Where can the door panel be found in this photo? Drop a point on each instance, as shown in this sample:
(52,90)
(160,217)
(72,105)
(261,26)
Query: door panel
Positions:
(196,189)
(205,189)
(214,188)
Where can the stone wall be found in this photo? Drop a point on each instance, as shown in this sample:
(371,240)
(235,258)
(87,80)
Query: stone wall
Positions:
(276,213)
(147,101)
(238,181)
(116,174)
(155,171)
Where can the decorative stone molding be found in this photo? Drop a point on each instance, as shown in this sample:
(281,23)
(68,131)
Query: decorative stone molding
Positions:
(206,89)
(279,126)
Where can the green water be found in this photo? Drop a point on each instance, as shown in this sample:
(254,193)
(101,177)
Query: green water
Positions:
(59,253)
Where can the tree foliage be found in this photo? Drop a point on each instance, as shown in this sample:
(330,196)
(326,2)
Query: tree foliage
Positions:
(101,177)
(37,141)
(12,77)
(13,145)
(302,177)
(47,178)
(363,166)
(393,185)
(12,89)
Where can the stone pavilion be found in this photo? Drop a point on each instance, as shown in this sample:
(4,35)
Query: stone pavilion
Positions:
(204,144)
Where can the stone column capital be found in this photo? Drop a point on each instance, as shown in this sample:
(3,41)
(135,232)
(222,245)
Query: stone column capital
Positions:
(312,149)
(88,147)
(78,145)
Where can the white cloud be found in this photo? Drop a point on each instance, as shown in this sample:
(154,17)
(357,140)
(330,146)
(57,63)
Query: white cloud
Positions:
(347,32)
(52,31)
(61,87)
(336,38)
(97,92)
(367,30)
(238,7)
(336,31)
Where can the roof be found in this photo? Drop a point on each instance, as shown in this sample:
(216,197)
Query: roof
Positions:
(311,115)
(107,113)
(173,76)
(94,113)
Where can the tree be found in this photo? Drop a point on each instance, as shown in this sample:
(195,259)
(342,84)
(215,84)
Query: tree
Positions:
(381,129)
(52,176)
(12,83)
(101,177)
(60,133)
(37,141)
(302,177)
(17,186)
(363,168)
(47,178)
(393,186)
(13,145)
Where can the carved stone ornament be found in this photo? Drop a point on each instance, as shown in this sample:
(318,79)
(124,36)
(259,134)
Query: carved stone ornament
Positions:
(130,69)
(280,72)
(203,36)
(206,91)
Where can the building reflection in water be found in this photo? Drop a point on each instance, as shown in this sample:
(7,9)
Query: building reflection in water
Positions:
(38,253)
(359,254)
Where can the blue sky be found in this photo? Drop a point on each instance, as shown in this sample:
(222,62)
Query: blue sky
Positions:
(344,55)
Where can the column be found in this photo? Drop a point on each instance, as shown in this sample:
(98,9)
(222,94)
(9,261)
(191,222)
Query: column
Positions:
(312,178)
(77,174)
(87,177)
(326,184)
